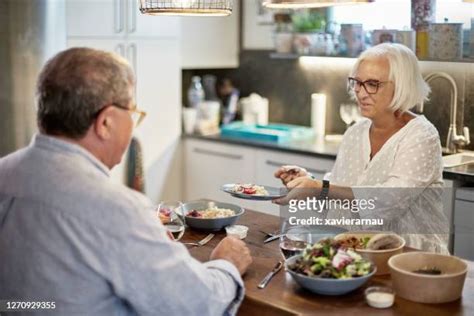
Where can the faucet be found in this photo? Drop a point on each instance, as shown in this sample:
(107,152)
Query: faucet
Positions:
(454,141)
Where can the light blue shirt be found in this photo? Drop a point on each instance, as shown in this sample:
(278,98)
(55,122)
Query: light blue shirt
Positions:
(68,234)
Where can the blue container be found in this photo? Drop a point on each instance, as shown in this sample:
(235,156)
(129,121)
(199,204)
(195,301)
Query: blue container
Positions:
(270,132)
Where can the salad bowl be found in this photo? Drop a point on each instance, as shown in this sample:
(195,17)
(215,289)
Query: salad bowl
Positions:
(326,269)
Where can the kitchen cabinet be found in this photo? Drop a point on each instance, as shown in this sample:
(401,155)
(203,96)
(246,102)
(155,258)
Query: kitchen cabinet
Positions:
(210,42)
(116,18)
(464,223)
(209,165)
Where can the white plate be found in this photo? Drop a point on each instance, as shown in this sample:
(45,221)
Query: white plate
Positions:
(273,193)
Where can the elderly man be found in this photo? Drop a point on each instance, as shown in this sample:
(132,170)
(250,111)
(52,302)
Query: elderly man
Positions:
(70,236)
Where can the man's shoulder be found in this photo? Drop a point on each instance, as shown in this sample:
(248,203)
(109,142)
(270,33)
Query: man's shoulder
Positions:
(66,183)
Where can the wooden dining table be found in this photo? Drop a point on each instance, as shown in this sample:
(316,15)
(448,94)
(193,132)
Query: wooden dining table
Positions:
(283,296)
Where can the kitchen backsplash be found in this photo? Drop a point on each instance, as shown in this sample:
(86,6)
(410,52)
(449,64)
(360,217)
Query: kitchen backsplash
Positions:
(289,83)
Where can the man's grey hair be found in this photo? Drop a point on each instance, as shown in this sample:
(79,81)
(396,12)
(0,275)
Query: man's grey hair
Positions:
(410,87)
(75,85)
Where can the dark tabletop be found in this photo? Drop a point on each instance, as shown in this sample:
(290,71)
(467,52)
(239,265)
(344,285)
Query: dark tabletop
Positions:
(283,296)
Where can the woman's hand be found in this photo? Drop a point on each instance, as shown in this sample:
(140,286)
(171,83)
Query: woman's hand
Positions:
(300,188)
(288,173)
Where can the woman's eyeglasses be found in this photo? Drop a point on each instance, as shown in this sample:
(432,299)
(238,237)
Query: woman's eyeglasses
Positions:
(371,86)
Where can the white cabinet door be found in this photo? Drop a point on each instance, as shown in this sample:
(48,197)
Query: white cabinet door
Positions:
(101,18)
(116,46)
(210,42)
(209,165)
(116,18)
(268,161)
(156,65)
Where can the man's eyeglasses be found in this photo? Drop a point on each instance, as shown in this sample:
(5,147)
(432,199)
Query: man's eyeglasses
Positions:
(371,86)
(137,115)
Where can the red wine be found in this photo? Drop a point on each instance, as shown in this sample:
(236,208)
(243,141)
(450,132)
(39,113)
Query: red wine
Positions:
(290,248)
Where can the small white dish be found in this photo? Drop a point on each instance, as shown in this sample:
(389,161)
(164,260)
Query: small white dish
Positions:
(239,231)
(379,296)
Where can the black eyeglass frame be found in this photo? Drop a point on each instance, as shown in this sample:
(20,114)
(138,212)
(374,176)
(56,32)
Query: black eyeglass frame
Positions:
(353,82)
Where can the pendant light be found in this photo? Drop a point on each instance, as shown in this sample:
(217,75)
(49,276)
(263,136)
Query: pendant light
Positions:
(299,4)
(187,7)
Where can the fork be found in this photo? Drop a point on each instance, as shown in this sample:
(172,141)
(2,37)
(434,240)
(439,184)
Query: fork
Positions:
(202,242)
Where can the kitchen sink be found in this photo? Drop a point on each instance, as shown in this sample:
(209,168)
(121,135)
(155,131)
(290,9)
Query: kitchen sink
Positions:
(458,159)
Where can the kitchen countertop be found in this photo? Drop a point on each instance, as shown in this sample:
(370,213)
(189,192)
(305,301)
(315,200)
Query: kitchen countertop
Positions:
(325,149)
(308,147)
(463,173)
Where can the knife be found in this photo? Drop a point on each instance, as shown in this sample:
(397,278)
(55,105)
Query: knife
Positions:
(270,275)
(272,238)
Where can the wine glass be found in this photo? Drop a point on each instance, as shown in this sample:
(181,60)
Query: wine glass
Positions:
(293,239)
(356,115)
(350,113)
(170,213)
(345,110)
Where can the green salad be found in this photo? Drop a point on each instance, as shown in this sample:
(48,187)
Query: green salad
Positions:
(328,258)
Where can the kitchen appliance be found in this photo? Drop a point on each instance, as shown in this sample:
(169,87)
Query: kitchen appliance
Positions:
(255,109)
(30,33)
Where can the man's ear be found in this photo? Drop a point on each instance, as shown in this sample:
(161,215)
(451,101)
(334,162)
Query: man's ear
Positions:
(103,124)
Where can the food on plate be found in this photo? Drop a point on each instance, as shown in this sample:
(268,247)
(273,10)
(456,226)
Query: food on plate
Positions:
(329,258)
(212,212)
(251,189)
(375,242)
(165,216)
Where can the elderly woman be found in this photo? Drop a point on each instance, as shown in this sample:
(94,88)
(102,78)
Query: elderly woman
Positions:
(390,148)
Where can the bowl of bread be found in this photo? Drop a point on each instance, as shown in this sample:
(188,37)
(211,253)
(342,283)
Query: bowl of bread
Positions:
(376,246)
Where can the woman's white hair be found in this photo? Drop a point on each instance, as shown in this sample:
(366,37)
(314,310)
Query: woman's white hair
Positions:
(410,87)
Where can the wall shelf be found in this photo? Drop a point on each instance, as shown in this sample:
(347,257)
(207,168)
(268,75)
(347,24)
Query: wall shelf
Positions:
(292,56)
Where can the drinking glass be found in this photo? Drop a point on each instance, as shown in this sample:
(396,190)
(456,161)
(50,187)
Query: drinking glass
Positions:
(345,110)
(356,116)
(293,239)
(350,113)
(174,223)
